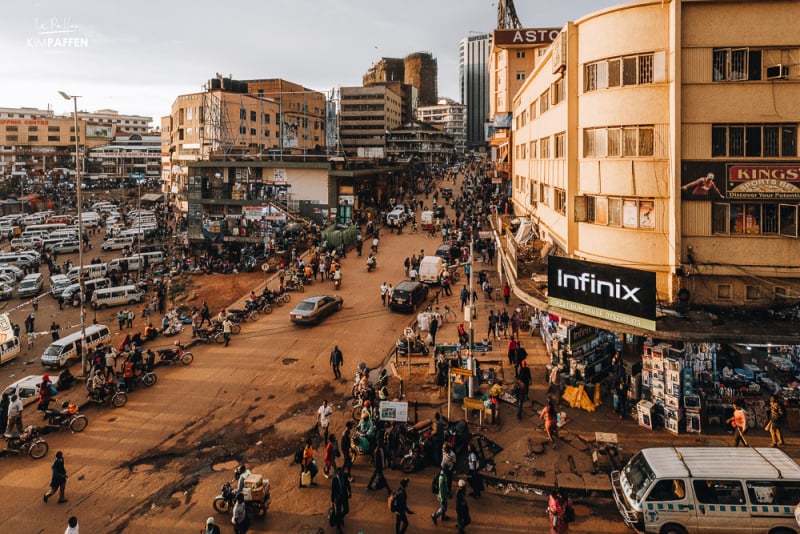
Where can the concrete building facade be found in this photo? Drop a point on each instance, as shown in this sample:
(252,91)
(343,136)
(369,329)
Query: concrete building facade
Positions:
(419,70)
(662,136)
(451,117)
(473,80)
(366,116)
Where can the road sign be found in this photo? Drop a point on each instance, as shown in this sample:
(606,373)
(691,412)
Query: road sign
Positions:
(460,371)
(409,332)
(473,404)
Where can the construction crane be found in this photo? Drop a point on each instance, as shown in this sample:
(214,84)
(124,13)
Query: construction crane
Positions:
(507,15)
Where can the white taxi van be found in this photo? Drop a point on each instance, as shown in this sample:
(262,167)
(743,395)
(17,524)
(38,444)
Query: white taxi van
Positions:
(687,490)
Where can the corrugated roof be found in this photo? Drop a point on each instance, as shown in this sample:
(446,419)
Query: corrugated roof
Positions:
(721,462)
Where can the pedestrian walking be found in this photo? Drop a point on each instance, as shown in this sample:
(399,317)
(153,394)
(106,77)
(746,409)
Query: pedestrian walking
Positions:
(523,385)
(473,475)
(739,422)
(122,316)
(379,461)
(441,495)
(35,303)
(205,314)
(384,290)
(506,293)
(346,449)
(331,452)
(324,419)
(72,526)
(308,463)
(560,511)
(240,520)
(776,413)
(340,498)
(5,402)
(211,527)
(227,327)
(550,417)
(389,294)
(58,480)
(400,505)
(336,361)
(54,328)
(14,414)
(432,329)
(462,508)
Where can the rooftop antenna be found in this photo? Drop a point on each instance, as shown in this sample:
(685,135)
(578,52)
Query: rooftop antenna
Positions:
(507,15)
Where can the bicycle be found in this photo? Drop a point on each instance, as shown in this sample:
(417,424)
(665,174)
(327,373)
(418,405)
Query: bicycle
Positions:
(448,314)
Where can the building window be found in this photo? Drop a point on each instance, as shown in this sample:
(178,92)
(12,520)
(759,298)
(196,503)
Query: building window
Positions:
(615,212)
(253,131)
(53,138)
(754,140)
(560,148)
(189,114)
(752,292)
(266,133)
(11,128)
(520,75)
(533,153)
(33,138)
(560,201)
(788,220)
(747,218)
(33,128)
(544,101)
(724,291)
(628,141)
(520,54)
(12,138)
(243,130)
(558,91)
(736,64)
(614,72)
(781,292)
(544,147)
(242,114)
(534,193)
(253,116)
(266,118)
(55,129)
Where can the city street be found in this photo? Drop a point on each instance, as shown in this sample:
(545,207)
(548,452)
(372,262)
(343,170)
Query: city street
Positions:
(157,463)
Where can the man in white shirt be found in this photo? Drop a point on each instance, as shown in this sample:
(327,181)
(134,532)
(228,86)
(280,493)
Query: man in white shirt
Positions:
(324,419)
(15,414)
(72,526)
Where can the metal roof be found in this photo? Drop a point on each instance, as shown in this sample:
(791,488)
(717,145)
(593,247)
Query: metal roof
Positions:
(721,462)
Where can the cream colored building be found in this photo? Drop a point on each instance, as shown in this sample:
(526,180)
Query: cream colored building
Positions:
(630,106)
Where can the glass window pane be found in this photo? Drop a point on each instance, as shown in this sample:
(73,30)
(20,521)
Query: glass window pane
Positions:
(788,220)
(720,64)
(736,141)
(736,218)
(614,141)
(629,71)
(771,144)
(753,142)
(614,71)
(719,219)
(645,141)
(601,210)
(646,69)
(769,218)
(754,66)
(739,64)
(615,211)
(629,141)
(789,141)
(719,138)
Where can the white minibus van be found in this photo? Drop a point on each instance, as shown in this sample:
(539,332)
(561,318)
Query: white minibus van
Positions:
(95,270)
(116,296)
(9,350)
(62,351)
(680,490)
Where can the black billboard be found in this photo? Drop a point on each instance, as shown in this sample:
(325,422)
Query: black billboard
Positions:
(618,294)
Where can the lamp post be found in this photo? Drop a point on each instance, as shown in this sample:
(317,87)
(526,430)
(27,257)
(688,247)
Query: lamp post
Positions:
(79,200)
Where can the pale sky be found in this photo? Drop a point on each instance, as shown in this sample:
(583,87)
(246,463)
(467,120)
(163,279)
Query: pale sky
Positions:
(136,57)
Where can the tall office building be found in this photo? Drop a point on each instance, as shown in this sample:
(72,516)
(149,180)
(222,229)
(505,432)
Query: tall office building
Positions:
(473,78)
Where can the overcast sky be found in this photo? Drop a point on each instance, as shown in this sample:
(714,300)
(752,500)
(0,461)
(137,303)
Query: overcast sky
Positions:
(136,57)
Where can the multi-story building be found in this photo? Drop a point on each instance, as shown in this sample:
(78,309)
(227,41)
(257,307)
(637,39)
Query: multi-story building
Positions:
(131,156)
(122,124)
(366,116)
(419,70)
(514,54)
(450,116)
(662,136)
(256,119)
(473,79)
(423,141)
(33,140)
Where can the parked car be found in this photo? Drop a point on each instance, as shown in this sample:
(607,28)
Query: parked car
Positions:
(313,309)
(6,291)
(66,247)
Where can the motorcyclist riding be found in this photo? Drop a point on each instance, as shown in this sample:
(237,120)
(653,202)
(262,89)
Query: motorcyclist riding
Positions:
(371,263)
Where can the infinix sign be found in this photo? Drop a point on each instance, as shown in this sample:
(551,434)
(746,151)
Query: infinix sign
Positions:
(626,296)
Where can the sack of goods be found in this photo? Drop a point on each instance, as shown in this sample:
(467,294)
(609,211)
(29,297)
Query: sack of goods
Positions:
(255,488)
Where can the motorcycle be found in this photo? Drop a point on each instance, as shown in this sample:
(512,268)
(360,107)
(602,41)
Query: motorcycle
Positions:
(111,392)
(28,442)
(209,334)
(415,346)
(419,455)
(256,496)
(178,354)
(294,285)
(372,264)
(66,417)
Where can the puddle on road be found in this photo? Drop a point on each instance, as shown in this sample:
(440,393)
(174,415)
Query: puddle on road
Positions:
(225,466)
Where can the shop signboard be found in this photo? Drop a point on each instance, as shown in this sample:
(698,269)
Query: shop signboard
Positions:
(619,294)
(393,411)
(714,180)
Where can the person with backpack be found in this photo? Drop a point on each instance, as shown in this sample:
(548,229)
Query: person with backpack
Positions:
(340,498)
(398,504)
(439,487)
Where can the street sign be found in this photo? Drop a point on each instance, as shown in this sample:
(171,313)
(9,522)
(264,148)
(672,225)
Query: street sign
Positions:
(408,332)
(393,411)
(460,371)
(473,404)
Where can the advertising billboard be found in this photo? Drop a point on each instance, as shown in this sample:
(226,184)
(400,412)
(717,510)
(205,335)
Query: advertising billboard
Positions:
(713,180)
(619,294)
(95,131)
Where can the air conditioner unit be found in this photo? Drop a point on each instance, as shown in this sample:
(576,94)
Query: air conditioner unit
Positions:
(777,72)
(558,60)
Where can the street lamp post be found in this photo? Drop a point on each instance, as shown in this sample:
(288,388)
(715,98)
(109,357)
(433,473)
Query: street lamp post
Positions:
(79,200)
